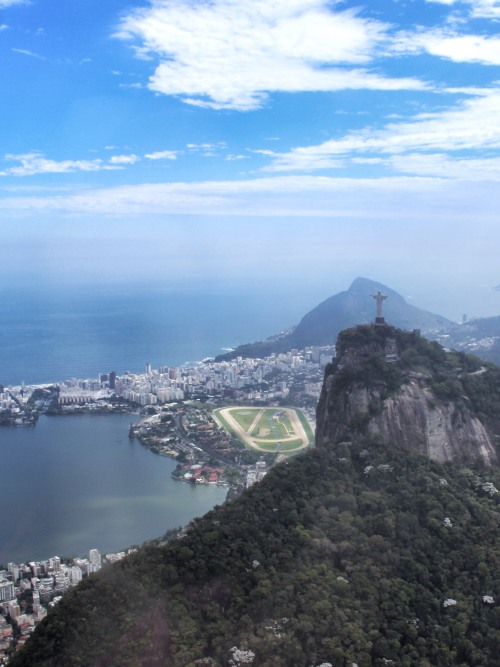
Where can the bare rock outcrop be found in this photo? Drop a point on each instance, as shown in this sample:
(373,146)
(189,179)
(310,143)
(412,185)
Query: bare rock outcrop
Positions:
(371,389)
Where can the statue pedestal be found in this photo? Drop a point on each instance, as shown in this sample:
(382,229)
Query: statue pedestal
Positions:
(379,320)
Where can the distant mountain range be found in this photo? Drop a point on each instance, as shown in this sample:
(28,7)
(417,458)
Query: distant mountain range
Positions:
(322,325)
(356,306)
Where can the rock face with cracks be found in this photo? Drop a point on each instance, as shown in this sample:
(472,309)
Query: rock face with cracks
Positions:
(407,391)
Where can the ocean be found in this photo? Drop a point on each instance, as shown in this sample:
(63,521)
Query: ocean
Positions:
(75,483)
(49,334)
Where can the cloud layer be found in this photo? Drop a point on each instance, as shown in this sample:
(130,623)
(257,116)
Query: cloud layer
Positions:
(34,163)
(396,198)
(477,8)
(451,45)
(232,53)
(469,126)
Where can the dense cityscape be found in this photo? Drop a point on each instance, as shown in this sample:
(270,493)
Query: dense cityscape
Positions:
(27,590)
(175,406)
(274,378)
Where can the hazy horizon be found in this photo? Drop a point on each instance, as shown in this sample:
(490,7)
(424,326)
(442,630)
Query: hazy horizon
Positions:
(292,299)
(289,146)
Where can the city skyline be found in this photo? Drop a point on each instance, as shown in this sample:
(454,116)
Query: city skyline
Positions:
(263,143)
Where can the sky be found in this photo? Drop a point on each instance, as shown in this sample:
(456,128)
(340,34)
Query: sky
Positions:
(286,145)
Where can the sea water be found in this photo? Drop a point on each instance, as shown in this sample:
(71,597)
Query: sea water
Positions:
(50,334)
(77,482)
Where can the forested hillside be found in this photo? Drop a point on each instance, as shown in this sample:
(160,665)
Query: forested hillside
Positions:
(355,553)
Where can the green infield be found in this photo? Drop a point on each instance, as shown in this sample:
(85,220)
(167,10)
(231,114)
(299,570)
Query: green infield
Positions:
(272,429)
(281,447)
(245,418)
(273,425)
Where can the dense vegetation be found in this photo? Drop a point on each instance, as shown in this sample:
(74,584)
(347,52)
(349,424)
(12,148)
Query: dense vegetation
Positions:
(453,376)
(353,553)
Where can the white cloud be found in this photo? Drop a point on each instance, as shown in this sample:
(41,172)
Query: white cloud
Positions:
(207,149)
(398,198)
(471,125)
(124,159)
(25,52)
(478,8)
(232,53)
(162,155)
(206,146)
(9,3)
(465,48)
(485,8)
(300,159)
(36,163)
(441,166)
(459,48)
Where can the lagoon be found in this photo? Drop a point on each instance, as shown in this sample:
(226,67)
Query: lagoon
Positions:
(74,483)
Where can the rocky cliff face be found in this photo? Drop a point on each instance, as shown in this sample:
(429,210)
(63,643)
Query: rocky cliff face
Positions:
(390,384)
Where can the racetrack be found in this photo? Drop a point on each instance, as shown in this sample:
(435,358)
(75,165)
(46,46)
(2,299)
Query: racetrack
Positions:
(299,434)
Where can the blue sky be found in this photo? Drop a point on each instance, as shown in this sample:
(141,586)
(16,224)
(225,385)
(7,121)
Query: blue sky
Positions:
(284,144)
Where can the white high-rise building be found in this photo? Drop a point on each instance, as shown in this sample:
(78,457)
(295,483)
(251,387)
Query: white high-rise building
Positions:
(6,591)
(14,610)
(75,574)
(55,563)
(14,570)
(83,564)
(94,560)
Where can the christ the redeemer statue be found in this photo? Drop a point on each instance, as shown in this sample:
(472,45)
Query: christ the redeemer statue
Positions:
(379,298)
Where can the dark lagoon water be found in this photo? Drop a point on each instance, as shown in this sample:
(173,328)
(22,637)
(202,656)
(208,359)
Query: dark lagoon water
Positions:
(75,483)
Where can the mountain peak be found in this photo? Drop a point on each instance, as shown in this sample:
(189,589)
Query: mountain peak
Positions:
(322,324)
(409,391)
(356,306)
(366,286)
(365,283)
(356,552)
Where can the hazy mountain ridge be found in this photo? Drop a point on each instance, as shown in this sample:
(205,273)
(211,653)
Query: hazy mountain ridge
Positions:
(360,551)
(322,324)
